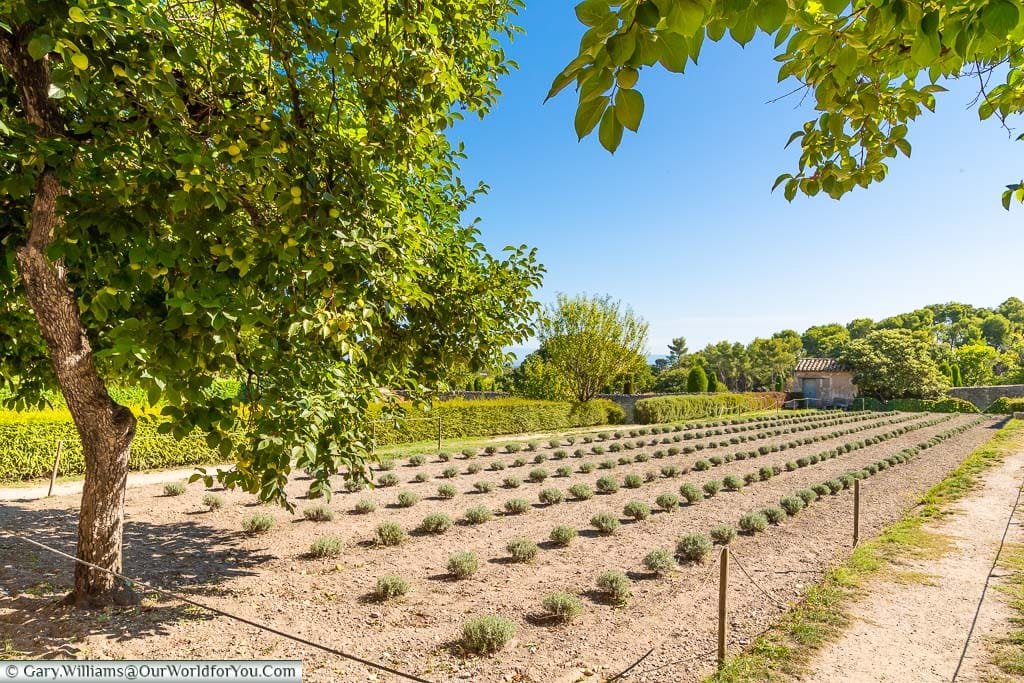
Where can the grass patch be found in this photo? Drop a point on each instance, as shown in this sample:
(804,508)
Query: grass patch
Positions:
(824,612)
(1008,651)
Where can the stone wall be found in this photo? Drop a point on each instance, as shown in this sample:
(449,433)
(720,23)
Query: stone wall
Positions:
(983,397)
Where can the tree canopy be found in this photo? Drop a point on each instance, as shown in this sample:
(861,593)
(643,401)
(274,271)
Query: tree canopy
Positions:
(895,363)
(200,189)
(590,341)
(870,67)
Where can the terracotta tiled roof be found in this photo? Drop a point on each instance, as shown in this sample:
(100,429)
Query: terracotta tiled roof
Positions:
(820,365)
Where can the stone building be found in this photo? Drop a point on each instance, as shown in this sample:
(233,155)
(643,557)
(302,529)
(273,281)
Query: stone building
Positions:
(824,382)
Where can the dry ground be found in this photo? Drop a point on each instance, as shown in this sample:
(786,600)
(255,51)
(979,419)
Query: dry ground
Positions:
(174,543)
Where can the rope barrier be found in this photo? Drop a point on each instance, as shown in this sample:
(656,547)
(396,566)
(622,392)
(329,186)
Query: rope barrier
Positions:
(263,627)
(758,586)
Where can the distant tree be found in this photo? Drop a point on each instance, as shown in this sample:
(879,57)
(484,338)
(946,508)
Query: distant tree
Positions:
(1012,309)
(996,329)
(697,380)
(712,382)
(824,340)
(895,363)
(536,378)
(958,380)
(677,351)
(860,327)
(590,341)
(977,364)
(671,381)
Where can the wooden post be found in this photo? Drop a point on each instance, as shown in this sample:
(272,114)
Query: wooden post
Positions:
(373,438)
(56,465)
(438,432)
(723,603)
(856,512)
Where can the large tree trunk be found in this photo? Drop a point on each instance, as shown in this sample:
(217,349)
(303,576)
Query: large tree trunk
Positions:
(106,429)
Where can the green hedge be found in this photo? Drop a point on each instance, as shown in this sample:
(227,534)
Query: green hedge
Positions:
(1006,405)
(134,397)
(918,405)
(687,407)
(28,441)
(462,418)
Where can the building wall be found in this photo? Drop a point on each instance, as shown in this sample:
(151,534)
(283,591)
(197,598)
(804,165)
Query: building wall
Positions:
(841,385)
(983,397)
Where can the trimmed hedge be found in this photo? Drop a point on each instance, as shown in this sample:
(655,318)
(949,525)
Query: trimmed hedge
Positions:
(461,418)
(920,405)
(1006,405)
(28,440)
(658,409)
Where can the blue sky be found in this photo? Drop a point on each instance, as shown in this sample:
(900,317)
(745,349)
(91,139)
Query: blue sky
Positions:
(682,225)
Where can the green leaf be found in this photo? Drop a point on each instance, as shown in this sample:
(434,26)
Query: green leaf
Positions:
(39,46)
(610,131)
(925,49)
(647,14)
(674,51)
(588,115)
(621,47)
(835,6)
(846,60)
(744,28)
(592,12)
(685,17)
(770,14)
(1000,17)
(903,146)
(629,108)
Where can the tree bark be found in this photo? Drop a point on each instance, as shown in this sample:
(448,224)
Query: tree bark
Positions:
(105,428)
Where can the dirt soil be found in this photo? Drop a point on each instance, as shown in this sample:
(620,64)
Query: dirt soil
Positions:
(172,542)
(916,629)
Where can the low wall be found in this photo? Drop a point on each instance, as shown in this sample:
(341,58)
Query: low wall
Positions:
(983,397)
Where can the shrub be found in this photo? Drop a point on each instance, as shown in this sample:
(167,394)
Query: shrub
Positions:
(463,565)
(444,457)
(475,468)
(551,496)
(539,458)
(318,513)
(521,549)
(389,533)
(213,502)
(562,535)
(257,523)
(659,409)
(581,492)
(693,547)
(753,522)
(667,502)
(450,472)
(421,477)
(390,587)
(702,465)
(532,445)
(632,481)
(712,487)
(518,462)
(446,491)
(607,464)
(538,475)
(487,634)
(774,515)
(436,523)
(637,510)
(490,450)
(496,466)
(808,496)
(670,471)
(605,522)
(722,534)
(563,471)
(511,482)
(478,514)
(834,485)
(659,561)
(386,465)
(790,466)
(615,587)
(554,443)
(327,546)
(562,606)
(731,482)
(650,475)
(691,493)
(821,490)
(484,486)
(517,506)
(587,468)
(607,485)
(416,460)
(792,504)
(353,485)
(364,507)
(766,473)
(469,452)
(513,448)
(175,488)
(407,499)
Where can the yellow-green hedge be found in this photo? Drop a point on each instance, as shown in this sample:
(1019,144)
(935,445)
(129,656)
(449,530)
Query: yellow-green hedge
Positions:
(28,441)
(489,417)
(658,409)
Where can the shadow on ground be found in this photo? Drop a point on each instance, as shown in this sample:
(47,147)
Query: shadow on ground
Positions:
(188,558)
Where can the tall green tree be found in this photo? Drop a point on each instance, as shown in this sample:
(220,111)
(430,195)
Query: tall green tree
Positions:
(196,189)
(824,340)
(697,380)
(677,351)
(870,68)
(895,363)
(590,341)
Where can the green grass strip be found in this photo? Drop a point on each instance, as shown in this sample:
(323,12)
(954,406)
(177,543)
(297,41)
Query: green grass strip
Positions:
(825,611)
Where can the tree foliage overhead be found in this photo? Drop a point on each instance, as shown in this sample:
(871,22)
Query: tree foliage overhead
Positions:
(871,67)
(260,191)
(590,341)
